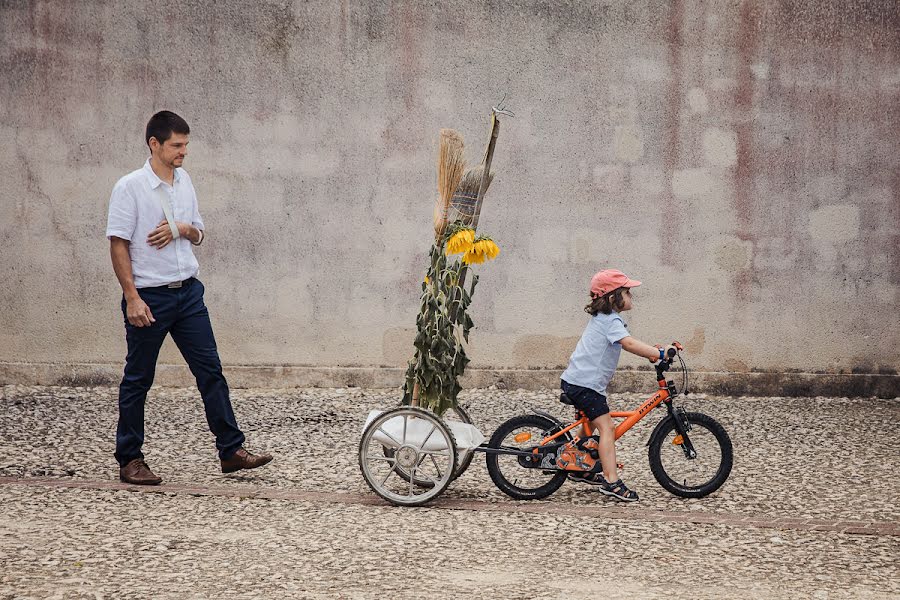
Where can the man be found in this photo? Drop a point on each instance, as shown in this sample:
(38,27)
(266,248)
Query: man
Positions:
(152,227)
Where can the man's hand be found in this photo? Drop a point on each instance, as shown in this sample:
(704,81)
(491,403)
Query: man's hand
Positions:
(161,236)
(137,311)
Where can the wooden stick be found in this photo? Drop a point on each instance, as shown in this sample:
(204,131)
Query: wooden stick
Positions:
(488,157)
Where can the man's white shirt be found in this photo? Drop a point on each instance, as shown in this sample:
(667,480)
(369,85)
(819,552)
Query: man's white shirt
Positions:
(135,209)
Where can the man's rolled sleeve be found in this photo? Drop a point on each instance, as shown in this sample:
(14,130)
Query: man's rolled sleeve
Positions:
(122,218)
(196,219)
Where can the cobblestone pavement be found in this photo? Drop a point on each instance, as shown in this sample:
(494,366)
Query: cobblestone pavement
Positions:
(810,476)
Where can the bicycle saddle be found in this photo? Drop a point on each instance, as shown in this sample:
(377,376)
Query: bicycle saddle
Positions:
(565,399)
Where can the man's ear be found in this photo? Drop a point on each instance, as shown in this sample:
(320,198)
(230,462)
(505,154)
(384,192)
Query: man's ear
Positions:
(153,143)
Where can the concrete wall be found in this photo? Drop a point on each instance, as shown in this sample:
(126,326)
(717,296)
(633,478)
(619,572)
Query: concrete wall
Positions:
(740,158)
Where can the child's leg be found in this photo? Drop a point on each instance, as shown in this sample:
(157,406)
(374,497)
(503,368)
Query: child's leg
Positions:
(607,430)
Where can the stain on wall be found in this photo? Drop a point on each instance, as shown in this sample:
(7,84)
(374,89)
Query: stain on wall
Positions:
(739,158)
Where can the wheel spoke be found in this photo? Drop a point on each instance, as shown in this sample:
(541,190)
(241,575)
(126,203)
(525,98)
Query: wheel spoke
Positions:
(393,439)
(430,480)
(389,459)
(394,466)
(433,429)
(437,468)
(405,421)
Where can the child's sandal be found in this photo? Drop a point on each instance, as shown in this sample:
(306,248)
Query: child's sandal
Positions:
(589,478)
(619,490)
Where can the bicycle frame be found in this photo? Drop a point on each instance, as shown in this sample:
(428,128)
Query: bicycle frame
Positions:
(664,394)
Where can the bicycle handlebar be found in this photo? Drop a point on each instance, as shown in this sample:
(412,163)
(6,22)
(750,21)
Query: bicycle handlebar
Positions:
(663,365)
(671,352)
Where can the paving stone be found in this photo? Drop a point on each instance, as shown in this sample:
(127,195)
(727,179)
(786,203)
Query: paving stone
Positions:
(790,454)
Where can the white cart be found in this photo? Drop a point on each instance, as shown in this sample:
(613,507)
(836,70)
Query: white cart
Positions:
(409,455)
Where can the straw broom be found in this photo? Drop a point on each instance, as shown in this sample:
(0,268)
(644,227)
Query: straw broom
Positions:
(450,170)
(450,167)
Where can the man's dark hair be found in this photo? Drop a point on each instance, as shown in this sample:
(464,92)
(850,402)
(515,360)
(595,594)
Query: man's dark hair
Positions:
(163,124)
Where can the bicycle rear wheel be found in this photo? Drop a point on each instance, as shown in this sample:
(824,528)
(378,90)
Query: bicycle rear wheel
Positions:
(508,474)
(691,477)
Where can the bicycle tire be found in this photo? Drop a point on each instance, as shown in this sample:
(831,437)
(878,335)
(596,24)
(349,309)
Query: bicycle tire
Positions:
(698,421)
(501,480)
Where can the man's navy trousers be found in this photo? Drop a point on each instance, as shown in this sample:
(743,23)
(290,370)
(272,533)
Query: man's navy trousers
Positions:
(178,311)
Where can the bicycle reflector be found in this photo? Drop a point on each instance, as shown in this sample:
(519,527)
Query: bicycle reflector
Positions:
(522,436)
(678,440)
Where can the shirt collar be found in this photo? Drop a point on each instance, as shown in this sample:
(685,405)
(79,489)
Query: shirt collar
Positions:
(155,181)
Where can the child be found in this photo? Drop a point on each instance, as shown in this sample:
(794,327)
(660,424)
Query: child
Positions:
(592,366)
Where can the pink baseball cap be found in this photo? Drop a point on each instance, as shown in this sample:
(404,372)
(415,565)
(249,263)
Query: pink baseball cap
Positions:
(610,279)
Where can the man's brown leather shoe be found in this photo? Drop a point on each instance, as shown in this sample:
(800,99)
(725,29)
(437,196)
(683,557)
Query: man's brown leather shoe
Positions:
(244,460)
(138,473)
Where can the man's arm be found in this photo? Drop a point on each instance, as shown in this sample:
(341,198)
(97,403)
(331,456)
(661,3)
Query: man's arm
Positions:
(193,234)
(137,312)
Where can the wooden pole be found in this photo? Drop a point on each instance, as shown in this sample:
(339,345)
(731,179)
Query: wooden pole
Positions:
(488,157)
(485,174)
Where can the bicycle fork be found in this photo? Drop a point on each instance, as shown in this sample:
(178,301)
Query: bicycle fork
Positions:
(682,427)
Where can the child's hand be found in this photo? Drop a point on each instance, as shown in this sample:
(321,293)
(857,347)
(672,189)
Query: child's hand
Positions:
(673,349)
(668,351)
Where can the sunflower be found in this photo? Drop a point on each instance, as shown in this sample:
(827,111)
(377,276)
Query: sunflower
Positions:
(482,249)
(473,257)
(461,241)
(486,247)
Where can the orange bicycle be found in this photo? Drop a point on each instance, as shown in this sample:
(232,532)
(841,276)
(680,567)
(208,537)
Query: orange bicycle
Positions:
(530,456)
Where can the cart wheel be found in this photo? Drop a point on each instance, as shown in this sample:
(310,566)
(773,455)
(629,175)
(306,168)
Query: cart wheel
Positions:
(464,458)
(421,447)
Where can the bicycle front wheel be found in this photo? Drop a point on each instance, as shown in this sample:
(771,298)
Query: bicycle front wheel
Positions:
(697,476)
(524,432)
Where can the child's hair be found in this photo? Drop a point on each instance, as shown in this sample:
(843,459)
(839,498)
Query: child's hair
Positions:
(608,302)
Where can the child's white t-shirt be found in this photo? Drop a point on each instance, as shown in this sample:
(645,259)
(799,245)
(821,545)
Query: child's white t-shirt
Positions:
(597,354)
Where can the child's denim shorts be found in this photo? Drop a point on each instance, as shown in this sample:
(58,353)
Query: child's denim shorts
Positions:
(590,402)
